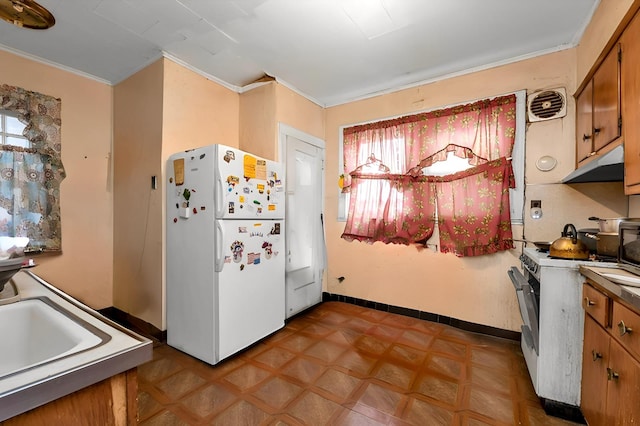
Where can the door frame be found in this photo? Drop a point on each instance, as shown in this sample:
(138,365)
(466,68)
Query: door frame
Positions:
(285,130)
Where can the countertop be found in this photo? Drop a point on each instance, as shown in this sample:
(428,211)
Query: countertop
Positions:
(31,388)
(629,295)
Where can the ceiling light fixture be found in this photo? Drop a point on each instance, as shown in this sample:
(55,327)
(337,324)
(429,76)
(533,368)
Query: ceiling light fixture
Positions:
(26,14)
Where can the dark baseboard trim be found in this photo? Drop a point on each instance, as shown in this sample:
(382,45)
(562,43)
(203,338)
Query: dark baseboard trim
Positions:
(135,324)
(150,331)
(428,316)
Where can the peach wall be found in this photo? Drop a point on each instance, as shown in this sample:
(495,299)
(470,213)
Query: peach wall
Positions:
(258,121)
(138,226)
(264,107)
(471,289)
(84,269)
(160,110)
(299,112)
(197,111)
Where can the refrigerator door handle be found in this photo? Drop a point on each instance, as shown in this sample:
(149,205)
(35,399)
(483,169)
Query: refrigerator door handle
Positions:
(219,194)
(219,251)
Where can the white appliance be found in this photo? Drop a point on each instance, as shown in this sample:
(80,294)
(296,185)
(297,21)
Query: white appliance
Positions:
(549,293)
(225,259)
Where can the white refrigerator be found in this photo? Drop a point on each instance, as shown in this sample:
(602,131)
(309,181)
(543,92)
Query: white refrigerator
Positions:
(225,259)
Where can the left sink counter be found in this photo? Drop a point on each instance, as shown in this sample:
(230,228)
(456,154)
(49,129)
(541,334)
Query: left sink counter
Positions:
(29,388)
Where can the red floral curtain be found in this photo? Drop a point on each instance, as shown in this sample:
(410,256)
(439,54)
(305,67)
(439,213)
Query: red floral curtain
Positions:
(392,209)
(384,198)
(473,210)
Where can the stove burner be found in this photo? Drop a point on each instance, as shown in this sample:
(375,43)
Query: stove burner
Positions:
(603,258)
(591,258)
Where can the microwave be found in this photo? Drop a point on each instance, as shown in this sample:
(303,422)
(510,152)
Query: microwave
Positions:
(629,247)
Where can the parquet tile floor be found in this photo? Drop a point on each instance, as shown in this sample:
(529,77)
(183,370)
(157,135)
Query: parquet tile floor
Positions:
(342,364)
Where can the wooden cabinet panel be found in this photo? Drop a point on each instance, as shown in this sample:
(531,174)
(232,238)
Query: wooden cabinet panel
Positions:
(630,86)
(584,123)
(610,366)
(595,359)
(596,304)
(623,390)
(625,326)
(113,401)
(606,101)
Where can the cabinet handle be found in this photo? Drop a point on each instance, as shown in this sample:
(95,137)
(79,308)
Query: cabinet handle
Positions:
(623,329)
(596,130)
(596,355)
(586,137)
(592,153)
(588,302)
(612,375)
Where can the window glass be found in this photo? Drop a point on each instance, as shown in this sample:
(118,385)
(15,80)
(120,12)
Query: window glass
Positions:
(14,126)
(451,165)
(11,131)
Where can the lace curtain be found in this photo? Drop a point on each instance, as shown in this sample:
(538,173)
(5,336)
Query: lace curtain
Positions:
(392,202)
(30,177)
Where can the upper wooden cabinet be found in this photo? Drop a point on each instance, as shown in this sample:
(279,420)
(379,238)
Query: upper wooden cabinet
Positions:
(584,123)
(598,112)
(630,86)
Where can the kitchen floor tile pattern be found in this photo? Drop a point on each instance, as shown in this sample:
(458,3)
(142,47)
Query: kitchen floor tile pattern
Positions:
(342,364)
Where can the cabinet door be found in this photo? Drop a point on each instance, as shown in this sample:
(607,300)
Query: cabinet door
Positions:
(606,101)
(630,83)
(623,407)
(595,304)
(625,326)
(595,357)
(584,123)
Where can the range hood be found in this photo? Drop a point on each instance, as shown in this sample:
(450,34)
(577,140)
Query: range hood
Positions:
(606,168)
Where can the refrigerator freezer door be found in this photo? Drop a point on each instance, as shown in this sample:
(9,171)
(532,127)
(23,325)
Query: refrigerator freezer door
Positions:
(247,186)
(250,282)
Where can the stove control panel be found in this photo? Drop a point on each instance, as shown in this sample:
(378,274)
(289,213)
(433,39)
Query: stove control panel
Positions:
(529,264)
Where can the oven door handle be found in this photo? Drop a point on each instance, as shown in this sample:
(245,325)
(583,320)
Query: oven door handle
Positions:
(527,304)
(517,279)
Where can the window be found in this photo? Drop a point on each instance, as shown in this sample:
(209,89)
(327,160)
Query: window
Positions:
(11,130)
(31,167)
(455,164)
(391,173)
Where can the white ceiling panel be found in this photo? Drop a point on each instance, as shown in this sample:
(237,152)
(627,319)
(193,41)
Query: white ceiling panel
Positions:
(123,14)
(332,51)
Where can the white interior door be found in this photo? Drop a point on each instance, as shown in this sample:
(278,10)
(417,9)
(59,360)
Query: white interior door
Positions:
(304,234)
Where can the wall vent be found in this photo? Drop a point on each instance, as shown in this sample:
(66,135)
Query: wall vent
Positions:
(547,105)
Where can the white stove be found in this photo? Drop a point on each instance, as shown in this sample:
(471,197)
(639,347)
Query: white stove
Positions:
(534,260)
(549,293)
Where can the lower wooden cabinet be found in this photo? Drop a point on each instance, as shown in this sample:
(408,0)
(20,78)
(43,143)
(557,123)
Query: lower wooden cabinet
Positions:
(595,359)
(610,368)
(110,402)
(623,390)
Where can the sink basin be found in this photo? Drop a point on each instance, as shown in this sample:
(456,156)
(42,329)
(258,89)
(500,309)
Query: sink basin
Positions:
(37,331)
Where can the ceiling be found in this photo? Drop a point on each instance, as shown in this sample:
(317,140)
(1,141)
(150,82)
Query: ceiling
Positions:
(331,51)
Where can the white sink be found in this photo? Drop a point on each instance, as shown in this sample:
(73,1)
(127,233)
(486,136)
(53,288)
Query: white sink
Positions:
(36,331)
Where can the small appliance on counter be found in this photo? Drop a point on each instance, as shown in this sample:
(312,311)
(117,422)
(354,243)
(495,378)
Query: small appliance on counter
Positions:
(629,251)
